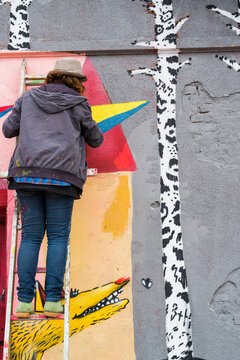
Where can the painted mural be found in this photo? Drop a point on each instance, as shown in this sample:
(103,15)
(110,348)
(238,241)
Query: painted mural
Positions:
(102,220)
(30,339)
(178,312)
(100,237)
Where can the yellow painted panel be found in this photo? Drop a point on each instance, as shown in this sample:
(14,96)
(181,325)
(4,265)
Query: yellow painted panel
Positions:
(103,112)
(101,254)
(116,217)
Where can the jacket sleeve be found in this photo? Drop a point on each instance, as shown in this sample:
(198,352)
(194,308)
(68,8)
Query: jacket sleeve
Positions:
(11,125)
(91,132)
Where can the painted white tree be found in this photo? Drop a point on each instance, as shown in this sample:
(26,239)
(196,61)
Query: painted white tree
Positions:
(232,64)
(178,313)
(19,37)
(231,16)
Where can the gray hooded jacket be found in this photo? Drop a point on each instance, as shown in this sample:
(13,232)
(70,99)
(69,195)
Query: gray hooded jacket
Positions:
(52,122)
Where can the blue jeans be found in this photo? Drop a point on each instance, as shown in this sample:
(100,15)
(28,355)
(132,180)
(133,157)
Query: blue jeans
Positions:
(42,211)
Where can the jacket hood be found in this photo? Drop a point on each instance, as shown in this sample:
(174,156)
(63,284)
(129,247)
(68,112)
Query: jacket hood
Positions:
(54,102)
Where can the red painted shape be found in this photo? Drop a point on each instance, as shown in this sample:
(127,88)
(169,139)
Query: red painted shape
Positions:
(122,280)
(3,198)
(95,91)
(3,184)
(3,265)
(3,108)
(114,154)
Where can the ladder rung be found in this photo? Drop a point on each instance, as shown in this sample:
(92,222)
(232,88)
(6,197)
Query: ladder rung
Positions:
(92,172)
(3,174)
(34,82)
(35,77)
(39,270)
(37,317)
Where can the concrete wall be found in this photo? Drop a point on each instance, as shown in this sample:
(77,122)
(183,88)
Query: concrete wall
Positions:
(208,141)
(58,25)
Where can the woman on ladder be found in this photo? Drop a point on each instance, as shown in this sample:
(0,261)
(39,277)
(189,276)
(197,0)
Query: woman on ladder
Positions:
(48,170)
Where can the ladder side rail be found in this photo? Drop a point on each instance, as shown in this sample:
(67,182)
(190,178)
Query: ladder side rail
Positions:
(3,174)
(12,261)
(22,87)
(90,172)
(10,291)
(35,77)
(66,305)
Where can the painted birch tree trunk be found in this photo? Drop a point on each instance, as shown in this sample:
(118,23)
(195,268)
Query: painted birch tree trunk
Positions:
(19,37)
(178,312)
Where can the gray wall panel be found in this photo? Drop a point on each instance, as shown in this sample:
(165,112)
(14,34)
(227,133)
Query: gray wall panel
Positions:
(209,189)
(88,25)
(140,130)
(4,25)
(60,25)
(205,28)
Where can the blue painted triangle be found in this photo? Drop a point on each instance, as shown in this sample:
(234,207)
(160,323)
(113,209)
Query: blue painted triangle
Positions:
(112,121)
(5,111)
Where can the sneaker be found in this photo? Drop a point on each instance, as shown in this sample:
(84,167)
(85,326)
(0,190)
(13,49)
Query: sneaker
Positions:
(53,309)
(24,310)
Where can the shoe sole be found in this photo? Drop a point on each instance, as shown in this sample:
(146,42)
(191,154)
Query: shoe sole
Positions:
(23,315)
(51,314)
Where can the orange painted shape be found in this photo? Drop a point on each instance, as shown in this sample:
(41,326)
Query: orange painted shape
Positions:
(99,258)
(116,217)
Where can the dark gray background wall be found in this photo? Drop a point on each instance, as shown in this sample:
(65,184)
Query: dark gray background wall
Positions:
(208,128)
(60,25)
(209,153)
